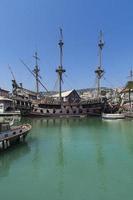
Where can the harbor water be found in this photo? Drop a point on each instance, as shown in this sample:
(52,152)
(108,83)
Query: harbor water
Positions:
(70,159)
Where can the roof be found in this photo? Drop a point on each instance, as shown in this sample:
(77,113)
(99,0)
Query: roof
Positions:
(63,94)
(129,86)
(4,90)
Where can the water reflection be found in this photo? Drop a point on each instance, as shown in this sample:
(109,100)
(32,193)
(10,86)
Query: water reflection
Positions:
(96,137)
(127,134)
(9,156)
(123,132)
(85,157)
(60,158)
(100,157)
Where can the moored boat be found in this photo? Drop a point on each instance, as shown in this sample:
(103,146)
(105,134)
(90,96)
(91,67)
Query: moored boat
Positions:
(113,116)
(12,135)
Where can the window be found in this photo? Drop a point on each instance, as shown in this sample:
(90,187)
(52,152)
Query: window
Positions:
(6,135)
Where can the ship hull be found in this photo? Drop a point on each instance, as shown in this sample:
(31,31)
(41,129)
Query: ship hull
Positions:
(66,110)
(13,136)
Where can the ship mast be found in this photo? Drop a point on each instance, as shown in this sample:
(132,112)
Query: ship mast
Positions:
(131,75)
(60,69)
(36,72)
(99,71)
(130,82)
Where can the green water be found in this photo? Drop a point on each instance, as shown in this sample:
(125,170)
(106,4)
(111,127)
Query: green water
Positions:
(70,159)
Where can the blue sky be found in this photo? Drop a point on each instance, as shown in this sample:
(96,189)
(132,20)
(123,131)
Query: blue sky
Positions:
(29,24)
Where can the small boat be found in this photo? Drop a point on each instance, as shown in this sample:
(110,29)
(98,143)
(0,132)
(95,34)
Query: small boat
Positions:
(10,135)
(113,116)
(129,114)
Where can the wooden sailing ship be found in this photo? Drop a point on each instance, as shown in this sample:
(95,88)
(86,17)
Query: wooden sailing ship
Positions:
(70,104)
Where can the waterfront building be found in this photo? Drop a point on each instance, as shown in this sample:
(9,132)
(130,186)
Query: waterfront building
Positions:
(4,93)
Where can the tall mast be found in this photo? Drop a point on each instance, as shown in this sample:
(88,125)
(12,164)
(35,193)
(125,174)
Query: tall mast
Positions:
(60,69)
(130,86)
(99,71)
(36,72)
(131,75)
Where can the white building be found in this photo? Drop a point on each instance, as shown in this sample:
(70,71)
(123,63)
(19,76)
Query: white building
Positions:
(68,96)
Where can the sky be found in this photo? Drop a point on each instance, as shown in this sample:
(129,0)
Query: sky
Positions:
(30,25)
